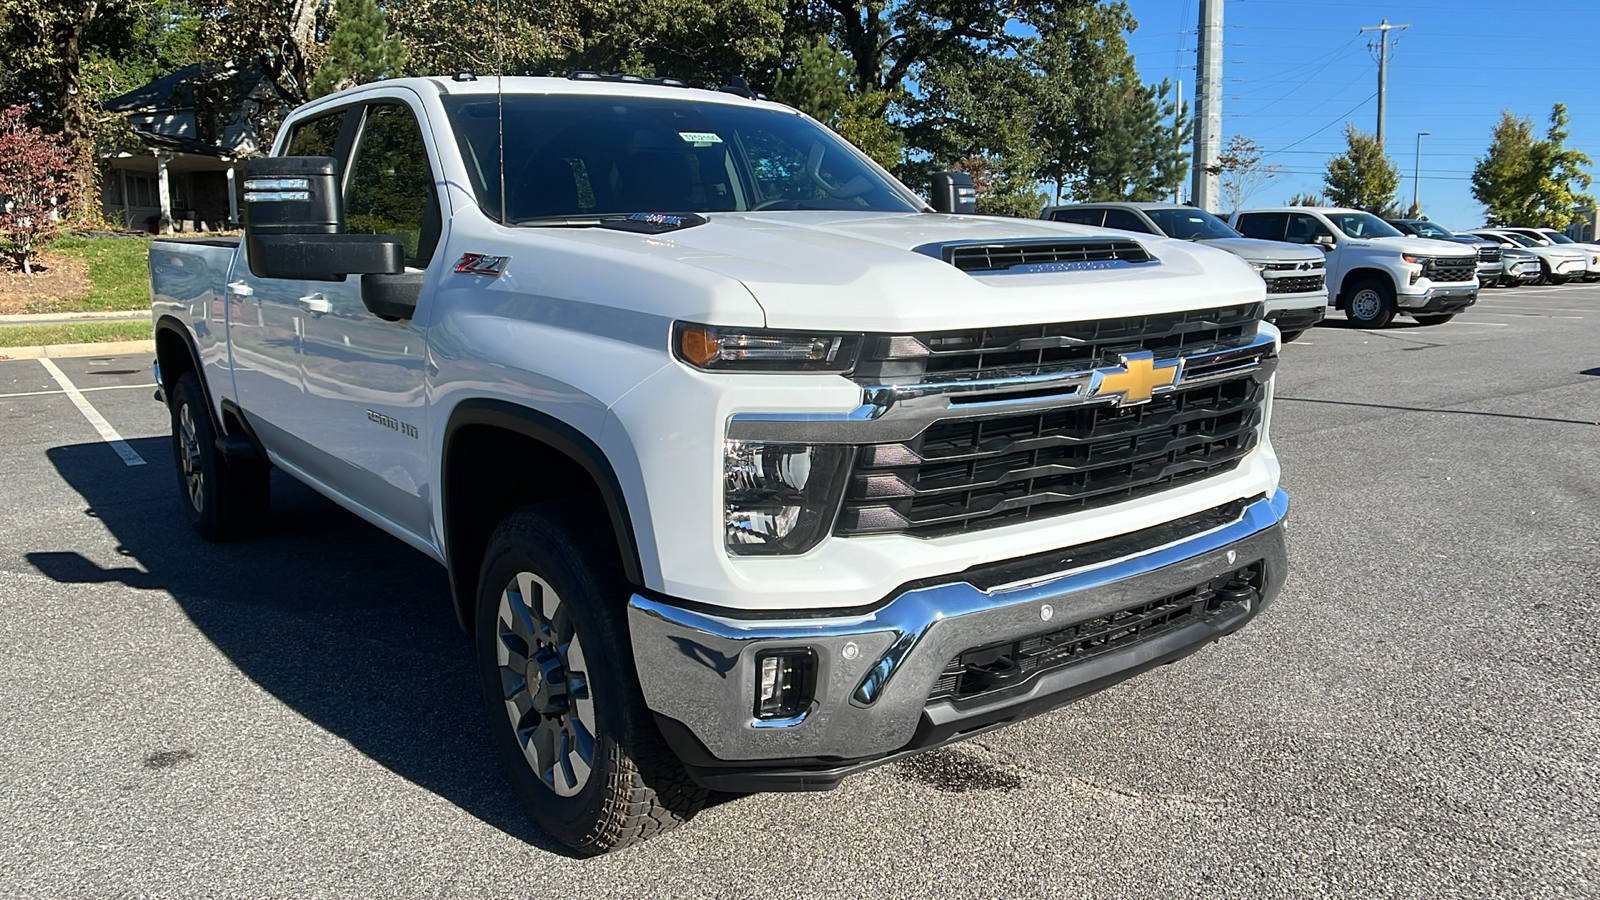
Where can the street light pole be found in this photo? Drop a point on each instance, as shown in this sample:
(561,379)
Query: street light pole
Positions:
(1416,169)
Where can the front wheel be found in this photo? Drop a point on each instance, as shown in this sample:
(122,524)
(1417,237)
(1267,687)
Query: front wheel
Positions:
(563,698)
(1371,304)
(224,498)
(1434,320)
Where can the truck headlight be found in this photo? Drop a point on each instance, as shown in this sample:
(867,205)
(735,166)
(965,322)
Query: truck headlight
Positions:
(780,498)
(763,349)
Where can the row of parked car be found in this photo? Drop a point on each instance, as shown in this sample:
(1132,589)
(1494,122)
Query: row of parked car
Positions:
(1373,269)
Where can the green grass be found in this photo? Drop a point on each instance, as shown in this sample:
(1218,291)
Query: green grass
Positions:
(119,276)
(73,333)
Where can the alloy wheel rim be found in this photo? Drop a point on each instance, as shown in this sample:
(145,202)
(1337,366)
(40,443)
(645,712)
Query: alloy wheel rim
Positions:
(544,683)
(193,476)
(1366,305)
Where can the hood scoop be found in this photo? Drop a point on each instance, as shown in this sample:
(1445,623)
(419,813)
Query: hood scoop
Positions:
(1041,255)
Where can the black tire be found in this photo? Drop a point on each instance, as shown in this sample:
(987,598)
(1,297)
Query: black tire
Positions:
(1369,303)
(224,499)
(1545,274)
(1288,336)
(1434,320)
(583,693)
(1558,279)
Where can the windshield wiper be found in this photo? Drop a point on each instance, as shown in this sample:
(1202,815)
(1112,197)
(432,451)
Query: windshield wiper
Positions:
(641,223)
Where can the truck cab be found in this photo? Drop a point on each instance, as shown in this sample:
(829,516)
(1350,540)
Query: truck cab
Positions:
(1297,292)
(1374,271)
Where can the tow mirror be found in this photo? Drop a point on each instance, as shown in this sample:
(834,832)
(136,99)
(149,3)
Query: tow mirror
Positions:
(294,224)
(953,192)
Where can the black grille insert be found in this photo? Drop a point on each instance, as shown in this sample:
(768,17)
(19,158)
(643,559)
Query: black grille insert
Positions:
(1000,667)
(1488,254)
(966,474)
(1451,269)
(1067,254)
(1294,284)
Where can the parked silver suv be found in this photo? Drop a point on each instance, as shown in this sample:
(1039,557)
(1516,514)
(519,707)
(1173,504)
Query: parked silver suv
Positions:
(1297,292)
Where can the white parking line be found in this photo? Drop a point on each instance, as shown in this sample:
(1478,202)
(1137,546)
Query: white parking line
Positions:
(107,387)
(1524,315)
(107,433)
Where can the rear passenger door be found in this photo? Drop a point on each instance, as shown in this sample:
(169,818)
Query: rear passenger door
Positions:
(365,406)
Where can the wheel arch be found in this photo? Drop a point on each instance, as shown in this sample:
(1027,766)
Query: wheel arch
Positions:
(1355,276)
(474,498)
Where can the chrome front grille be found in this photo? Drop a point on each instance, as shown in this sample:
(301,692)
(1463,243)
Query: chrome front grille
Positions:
(1488,254)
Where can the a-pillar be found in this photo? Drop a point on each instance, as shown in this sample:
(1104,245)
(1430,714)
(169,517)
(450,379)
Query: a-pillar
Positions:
(233,199)
(163,194)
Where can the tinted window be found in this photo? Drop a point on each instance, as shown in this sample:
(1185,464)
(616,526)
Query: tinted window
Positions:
(584,156)
(1190,224)
(1430,230)
(1362,225)
(1303,228)
(1124,220)
(1266,226)
(1557,237)
(1079,216)
(390,189)
(316,137)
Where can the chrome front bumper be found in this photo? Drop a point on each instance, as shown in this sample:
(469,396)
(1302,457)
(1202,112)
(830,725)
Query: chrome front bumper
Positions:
(876,668)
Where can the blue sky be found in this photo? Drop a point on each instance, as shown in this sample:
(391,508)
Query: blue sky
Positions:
(1294,71)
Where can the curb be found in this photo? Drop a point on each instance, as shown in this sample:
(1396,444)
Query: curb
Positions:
(59,351)
(82,316)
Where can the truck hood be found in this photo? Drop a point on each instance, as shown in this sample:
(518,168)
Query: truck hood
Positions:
(1264,251)
(883,272)
(1416,245)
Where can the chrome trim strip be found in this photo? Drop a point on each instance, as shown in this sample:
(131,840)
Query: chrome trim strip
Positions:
(890,413)
(698,666)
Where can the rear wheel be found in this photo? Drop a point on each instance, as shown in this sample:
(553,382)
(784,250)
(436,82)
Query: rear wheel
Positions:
(1434,320)
(563,698)
(1370,303)
(224,498)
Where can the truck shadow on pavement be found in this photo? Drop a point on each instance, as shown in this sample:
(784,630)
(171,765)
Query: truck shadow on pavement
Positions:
(345,625)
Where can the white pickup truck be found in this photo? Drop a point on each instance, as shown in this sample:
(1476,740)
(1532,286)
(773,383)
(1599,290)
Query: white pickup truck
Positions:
(1374,271)
(749,468)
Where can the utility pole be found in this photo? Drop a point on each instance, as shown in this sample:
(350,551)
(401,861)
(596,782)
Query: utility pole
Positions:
(1383,66)
(1416,170)
(1207,106)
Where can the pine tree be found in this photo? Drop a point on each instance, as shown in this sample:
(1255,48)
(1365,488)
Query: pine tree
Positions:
(360,49)
(1362,177)
(1139,154)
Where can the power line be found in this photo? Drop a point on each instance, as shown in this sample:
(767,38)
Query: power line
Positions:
(1320,130)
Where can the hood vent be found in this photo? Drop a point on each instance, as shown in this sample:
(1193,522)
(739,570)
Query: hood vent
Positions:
(1047,255)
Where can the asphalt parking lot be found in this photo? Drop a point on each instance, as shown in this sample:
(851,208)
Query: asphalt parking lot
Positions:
(295,716)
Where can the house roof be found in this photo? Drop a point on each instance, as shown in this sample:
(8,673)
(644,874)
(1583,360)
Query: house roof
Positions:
(176,91)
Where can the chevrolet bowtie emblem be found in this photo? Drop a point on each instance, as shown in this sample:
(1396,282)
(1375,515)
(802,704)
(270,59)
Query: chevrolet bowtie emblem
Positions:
(1135,380)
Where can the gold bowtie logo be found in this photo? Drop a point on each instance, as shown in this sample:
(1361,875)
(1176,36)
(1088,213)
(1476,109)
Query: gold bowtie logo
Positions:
(1134,381)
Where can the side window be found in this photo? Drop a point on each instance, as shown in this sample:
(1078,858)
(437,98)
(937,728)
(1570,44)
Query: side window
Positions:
(1123,220)
(390,189)
(1079,216)
(1263,226)
(316,137)
(1303,228)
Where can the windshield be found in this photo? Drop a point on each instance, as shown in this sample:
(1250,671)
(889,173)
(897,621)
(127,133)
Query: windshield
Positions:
(582,157)
(1363,225)
(1430,230)
(1558,237)
(1190,224)
(1515,238)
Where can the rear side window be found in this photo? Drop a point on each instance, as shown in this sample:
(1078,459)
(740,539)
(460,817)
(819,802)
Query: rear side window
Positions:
(316,137)
(1123,220)
(1079,216)
(1264,226)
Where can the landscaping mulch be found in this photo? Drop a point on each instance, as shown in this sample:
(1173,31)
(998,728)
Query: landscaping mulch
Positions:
(57,280)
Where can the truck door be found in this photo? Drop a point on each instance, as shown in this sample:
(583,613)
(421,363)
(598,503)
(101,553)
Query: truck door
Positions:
(266,319)
(1306,228)
(365,406)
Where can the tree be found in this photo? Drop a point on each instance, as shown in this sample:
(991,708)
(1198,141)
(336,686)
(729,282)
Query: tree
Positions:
(818,84)
(1138,154)
(280,38)
(1362,177)
(1522,181)
(1240,171)
(360,49)
(36,185)
(1307,199)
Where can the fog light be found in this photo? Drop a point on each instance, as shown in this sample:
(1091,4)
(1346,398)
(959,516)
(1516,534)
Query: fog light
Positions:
(785,681)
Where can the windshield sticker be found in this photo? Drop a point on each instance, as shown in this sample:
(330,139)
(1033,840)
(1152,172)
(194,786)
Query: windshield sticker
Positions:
(700,138)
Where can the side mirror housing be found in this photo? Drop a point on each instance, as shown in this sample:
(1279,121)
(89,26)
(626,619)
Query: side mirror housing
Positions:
(1325,241)
(953,192)
(294,224)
